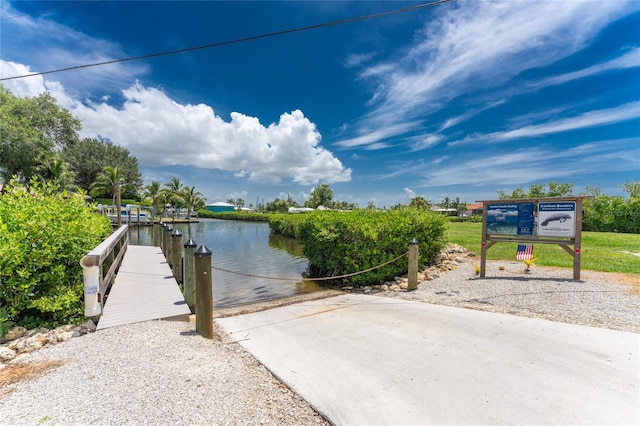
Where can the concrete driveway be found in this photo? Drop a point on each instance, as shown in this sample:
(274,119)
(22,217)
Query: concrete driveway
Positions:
(366,360)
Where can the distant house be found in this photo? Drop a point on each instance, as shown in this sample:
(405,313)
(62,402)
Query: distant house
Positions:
(300,209)
(474,209)
(221,207)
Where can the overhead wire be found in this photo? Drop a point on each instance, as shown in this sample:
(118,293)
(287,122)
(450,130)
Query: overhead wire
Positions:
(39,12)
(235,41)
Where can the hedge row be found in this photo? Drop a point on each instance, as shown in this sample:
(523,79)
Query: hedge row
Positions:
(250,217)
(342,243)
(43,236)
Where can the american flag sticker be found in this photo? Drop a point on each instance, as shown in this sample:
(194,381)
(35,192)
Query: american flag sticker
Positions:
(524,252)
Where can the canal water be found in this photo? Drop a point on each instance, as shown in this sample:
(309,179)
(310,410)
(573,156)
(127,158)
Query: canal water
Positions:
(248,248)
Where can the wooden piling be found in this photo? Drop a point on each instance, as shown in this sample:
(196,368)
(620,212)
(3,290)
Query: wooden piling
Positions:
(189,274)
(176,252)
(412,274)
(167,244)
(204,295)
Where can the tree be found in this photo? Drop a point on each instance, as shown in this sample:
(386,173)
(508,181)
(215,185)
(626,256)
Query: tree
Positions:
(154,192)
(553,189)
(446,202)
(90,156)
(174,191)
(191,200)
(277,206)
(239,203)
(56,171)
(420,203)
(109,181)
(321,195)
(632,188)
(31,129)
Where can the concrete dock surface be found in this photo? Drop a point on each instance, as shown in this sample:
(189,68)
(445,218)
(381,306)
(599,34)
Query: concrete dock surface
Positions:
(367,360)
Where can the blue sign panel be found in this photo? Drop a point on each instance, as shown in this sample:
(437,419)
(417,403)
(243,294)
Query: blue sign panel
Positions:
(510,218)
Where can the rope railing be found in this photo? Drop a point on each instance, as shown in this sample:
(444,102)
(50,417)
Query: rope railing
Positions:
(312,279)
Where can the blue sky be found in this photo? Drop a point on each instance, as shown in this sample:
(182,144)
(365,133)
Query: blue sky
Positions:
(456,100)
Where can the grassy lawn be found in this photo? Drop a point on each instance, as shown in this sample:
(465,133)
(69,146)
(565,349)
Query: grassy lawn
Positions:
(601,251)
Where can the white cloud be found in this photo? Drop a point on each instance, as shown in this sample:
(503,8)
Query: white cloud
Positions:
(409,193)
(159,131)
(526,165)
(51,52)
(476,46)
(588,119)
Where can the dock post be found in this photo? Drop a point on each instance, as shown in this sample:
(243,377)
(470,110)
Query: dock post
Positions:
(167,244)
(204,295)
(412,274)
(176,251)
(190,274)
(163,244)
(155,229)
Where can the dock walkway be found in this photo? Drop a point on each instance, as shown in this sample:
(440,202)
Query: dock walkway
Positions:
(144,289)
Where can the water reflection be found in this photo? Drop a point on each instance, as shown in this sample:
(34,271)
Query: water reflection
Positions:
(248,248)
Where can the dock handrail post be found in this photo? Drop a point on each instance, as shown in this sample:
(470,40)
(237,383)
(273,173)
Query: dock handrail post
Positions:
(176,251)
(167,244)
(189,274)
(412,273)
(204,295)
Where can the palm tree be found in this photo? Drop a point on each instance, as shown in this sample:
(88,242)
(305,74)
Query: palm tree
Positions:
(109,181)
(56,171)
(446,202)
(154,192)
(174,191)
(191,199)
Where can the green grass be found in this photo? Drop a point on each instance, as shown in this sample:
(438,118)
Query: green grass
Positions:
(601,251)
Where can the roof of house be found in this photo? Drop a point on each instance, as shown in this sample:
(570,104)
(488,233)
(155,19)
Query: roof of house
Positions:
(220,204)
(474,206)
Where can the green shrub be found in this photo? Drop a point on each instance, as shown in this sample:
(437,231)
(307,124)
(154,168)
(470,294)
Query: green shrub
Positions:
(606,213)
(43,236)
(288,225)
(342,243)
(248,216)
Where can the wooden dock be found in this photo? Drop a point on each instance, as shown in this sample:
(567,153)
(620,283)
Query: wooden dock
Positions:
(144,289)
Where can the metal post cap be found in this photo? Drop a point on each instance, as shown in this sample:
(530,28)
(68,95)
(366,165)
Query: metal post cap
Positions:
(161,223)
(190,244)
(176,233)
(202,251)
(413,242)
(168,228)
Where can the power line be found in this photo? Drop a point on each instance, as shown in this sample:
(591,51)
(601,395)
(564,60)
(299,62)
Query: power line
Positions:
(235,41)
(38,12)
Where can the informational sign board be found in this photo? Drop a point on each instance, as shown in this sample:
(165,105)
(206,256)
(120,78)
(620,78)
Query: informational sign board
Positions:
(557,219)
(510,218)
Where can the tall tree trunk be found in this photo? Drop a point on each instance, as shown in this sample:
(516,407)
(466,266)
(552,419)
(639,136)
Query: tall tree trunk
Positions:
(118,204)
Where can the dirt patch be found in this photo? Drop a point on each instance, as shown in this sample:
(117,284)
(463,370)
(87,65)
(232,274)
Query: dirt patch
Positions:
(15,373)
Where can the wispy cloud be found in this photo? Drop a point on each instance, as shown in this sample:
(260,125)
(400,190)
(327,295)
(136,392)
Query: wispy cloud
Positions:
(533,164)
(588,119)
(476,46)
(65,47)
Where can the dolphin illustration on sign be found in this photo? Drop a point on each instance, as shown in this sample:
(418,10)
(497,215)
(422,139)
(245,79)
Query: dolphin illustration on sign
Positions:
(561,217)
